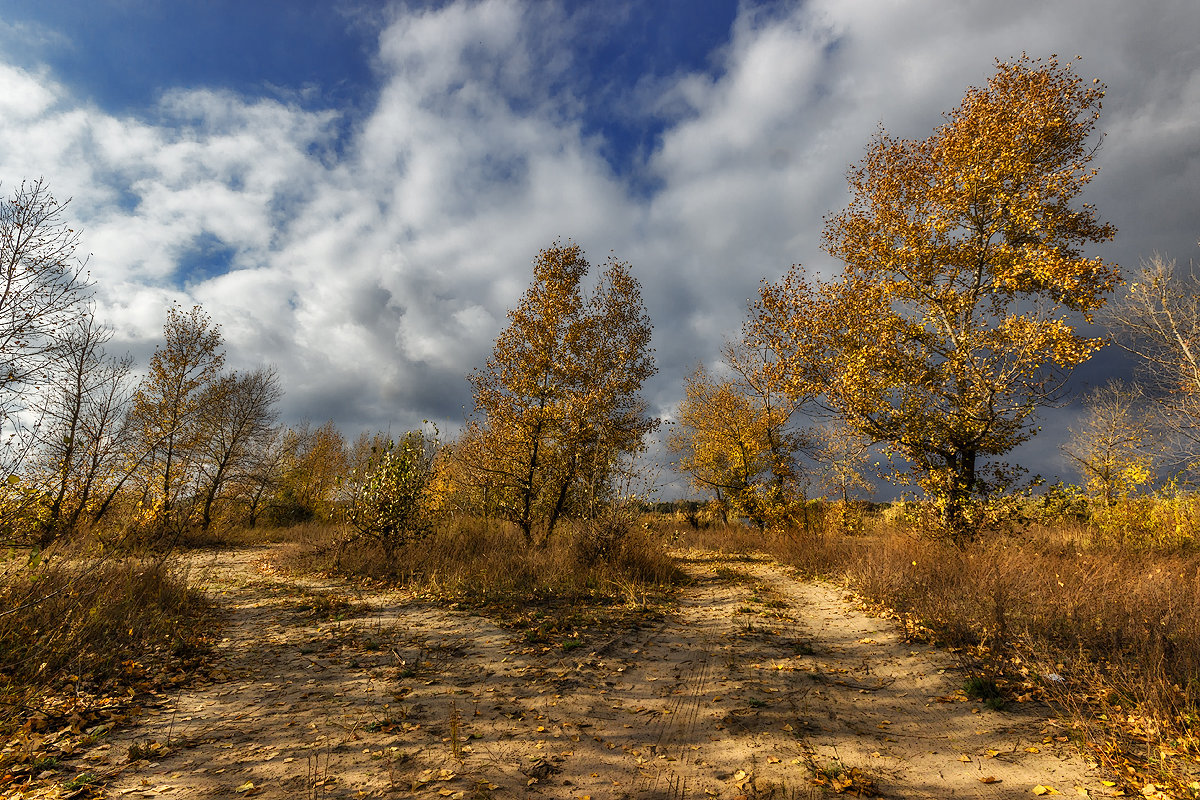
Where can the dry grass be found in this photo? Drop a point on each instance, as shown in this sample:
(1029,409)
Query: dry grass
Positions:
(75,628)
(1110,634)
(487,564)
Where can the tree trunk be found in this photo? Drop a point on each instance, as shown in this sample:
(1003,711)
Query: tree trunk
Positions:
(955,517)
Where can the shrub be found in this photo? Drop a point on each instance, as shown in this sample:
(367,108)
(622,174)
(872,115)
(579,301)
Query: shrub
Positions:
(389,496)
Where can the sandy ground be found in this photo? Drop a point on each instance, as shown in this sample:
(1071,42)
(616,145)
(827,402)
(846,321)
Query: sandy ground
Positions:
(753,686)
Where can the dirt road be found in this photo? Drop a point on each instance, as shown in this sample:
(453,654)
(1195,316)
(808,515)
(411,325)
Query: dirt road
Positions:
(755,685)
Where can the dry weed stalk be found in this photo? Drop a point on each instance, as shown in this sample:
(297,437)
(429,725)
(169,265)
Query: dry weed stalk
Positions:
(455,732)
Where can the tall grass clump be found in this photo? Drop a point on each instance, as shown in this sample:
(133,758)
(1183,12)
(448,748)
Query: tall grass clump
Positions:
(80,628)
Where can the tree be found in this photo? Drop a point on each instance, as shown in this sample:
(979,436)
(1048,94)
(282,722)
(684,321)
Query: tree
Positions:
(843,453)
(43,290)
(1113,444)
(388,495)
(86,397)
(464,483)
(169,407)
(734,439)
(313,460)
(718,442)
(1158,319)
(950,324)
(237,426)
(261,479)
(558,403)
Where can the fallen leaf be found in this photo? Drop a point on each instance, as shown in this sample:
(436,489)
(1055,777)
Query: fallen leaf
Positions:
(989,779)
(248,786)
(1040,790)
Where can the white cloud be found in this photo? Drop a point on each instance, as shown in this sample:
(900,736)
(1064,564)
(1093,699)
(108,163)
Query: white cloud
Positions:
(377,278)
(24,96)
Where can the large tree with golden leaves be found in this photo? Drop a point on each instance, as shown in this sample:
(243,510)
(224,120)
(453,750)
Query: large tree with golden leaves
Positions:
(951,322)
(558,404)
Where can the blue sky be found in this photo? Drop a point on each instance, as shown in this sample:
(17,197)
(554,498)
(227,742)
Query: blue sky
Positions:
(122,55)
(355,190)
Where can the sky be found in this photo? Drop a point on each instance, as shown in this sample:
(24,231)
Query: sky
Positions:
(355,191)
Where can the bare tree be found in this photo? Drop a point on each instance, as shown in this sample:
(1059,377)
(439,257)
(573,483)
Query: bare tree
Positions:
(238,424)
(1159,320)
(263,476)
(85,399)
(43,289)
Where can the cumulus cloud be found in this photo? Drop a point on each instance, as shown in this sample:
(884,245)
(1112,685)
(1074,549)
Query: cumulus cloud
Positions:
(373,258)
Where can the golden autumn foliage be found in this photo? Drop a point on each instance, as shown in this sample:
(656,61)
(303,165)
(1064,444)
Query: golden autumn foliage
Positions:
(734,440)
(558,405)
(952,319)
(844,455)
(1113,444)
(170,404)
(312,461)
